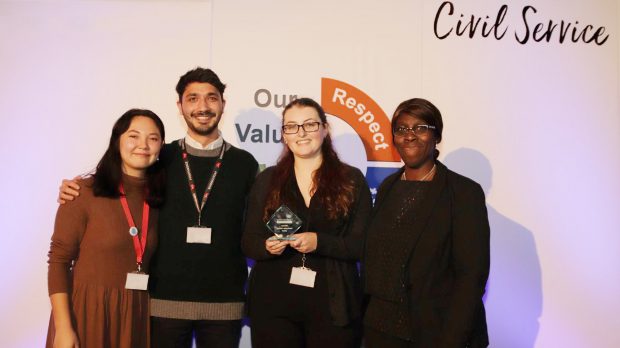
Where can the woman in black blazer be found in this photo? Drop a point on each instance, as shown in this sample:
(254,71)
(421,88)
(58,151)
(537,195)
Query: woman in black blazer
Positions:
(426,260)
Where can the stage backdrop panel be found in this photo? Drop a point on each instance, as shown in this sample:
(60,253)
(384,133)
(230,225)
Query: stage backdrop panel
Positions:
(545,116)
(535,122)
(69,70)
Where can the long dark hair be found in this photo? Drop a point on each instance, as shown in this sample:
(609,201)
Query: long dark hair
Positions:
(108,173)
(331,182)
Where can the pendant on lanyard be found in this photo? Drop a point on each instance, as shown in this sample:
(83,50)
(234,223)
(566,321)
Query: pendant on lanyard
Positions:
(137,280)
(200,234)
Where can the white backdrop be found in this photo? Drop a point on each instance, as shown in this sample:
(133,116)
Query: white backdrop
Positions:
(537,124)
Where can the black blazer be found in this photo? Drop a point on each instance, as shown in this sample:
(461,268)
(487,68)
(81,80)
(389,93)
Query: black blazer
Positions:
(445,266)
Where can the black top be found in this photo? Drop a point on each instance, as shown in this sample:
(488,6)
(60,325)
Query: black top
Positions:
(339,247)
(213,272)
(270,293)
(389,230)
(437,274)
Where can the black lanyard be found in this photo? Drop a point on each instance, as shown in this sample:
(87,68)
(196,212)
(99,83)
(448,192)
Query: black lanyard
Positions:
(192,185)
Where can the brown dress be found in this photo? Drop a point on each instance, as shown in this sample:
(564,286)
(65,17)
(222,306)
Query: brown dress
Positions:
(90,255)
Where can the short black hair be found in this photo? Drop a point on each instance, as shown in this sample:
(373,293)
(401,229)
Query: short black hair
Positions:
(201,75)
(422,109)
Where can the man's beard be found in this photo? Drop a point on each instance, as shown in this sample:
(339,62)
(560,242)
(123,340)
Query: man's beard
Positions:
(205,130)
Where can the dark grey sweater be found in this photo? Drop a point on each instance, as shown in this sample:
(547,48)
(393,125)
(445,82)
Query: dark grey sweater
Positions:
(213,272)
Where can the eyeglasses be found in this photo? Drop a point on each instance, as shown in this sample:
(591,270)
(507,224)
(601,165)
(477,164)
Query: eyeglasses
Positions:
(419,130)
(308,127)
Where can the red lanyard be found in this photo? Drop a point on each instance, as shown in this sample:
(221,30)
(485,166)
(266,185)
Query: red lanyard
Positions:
(139,244)
(192,186)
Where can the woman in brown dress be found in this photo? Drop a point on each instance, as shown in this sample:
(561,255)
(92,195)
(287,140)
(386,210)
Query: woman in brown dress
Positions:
(101,246)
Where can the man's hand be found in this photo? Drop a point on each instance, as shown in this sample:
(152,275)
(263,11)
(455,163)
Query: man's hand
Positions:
(68,190)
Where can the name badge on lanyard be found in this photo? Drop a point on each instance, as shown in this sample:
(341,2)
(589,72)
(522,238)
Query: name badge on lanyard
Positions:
(137,280)
(303,276)
(200,234)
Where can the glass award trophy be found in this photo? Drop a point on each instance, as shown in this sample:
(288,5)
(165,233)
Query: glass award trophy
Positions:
(284,223)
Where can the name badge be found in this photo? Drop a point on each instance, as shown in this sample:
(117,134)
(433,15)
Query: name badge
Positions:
(303,276)
(201,235)
(137,281)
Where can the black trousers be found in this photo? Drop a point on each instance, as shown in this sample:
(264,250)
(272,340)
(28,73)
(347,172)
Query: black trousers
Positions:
(284,332)
(377,339)
(178,333)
